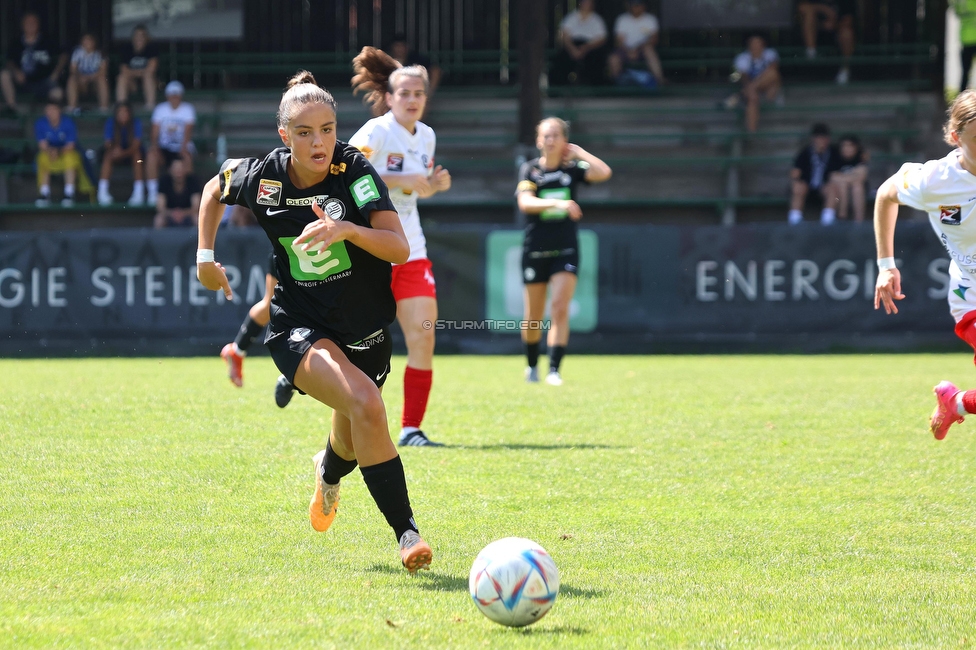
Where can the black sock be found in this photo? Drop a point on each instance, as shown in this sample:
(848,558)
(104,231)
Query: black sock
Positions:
(532,353)
(334,466)
(248,332)
(556,357)
(388,486)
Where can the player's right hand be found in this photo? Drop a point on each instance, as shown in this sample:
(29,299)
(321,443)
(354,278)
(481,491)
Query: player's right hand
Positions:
(213,276)
(888,290)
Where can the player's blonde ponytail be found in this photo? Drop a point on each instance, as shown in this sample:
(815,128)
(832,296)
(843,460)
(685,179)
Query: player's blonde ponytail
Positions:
(301,91)
(962,113)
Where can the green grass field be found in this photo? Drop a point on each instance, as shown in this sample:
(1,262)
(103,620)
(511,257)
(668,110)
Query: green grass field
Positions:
(688,501)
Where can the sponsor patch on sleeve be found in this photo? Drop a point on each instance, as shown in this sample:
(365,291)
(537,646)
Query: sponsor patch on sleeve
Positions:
(364,190)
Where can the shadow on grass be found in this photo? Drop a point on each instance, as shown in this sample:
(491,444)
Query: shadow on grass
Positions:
(569,591)
(516,446)
(559,630)
(430,580)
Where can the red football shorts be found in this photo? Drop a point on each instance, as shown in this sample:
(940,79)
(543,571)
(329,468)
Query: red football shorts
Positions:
(413,279)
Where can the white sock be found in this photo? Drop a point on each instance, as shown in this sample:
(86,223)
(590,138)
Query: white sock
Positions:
(827,216)
(138,187)
(406,431)
(960,409)
(152,185)
(45,191)
(795,217)
(69,190)
(103,186)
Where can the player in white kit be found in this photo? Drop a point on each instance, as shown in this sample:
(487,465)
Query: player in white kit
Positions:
(946,190)
(401,148)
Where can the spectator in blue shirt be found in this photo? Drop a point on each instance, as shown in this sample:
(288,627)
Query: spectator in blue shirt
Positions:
(57,143)
(123,142)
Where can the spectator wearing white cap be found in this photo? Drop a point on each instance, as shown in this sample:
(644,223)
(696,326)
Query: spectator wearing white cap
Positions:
(171,138)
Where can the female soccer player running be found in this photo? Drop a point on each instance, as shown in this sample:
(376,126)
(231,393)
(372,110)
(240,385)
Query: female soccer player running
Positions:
(335,232)
(546,196)
(401,147)
(944,189)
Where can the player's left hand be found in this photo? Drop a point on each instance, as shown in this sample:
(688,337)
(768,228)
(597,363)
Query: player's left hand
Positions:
(888,290)
(323,232)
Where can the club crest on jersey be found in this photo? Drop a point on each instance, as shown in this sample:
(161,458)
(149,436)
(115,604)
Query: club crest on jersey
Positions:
(427,162)
(334,208)
(269,192)
(950,215)
(394,162)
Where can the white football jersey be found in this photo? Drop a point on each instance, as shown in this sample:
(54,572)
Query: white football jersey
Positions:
(947,192)
(391,149)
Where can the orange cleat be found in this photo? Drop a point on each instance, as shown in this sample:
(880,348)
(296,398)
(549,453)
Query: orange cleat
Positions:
(415,553)
(235,364)
(325,500)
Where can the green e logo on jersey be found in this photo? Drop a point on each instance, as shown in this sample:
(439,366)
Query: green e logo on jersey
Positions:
(364,190)
(315,264)
(561,193)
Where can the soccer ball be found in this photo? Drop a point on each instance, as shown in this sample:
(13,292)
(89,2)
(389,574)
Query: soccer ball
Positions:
(513,581)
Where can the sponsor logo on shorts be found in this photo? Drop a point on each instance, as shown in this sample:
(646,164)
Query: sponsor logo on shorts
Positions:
(375,338)
(571,268)
(394,162)
(961,291)
(950,215)
(299,334)
(364,190)
(529,274)
(269,192)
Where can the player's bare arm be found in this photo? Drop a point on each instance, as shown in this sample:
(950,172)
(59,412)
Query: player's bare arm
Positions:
(211,274)
(888,288)
(385,239)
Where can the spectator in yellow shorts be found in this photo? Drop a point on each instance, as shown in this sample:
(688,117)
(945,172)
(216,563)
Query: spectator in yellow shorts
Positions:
(57,144)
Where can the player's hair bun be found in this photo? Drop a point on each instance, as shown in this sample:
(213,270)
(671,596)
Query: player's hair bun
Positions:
(301,77)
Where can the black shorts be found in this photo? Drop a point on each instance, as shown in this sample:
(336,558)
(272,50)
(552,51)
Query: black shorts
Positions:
(39,89)
(169,157)
(539,266)
(288,343)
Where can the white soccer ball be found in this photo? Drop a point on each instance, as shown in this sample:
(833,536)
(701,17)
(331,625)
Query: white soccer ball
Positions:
(513,581)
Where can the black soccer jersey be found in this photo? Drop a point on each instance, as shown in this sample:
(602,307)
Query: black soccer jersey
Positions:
(342,290)
(552,230)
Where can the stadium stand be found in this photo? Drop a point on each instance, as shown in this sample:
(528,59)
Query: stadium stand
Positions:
(678,156)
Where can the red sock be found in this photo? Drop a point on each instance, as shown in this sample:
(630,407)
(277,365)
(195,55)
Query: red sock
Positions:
(969,401)
(416,390)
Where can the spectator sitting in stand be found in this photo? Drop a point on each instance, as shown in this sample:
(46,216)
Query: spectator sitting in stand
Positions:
(582,58)
(172,137)
(32,66)
(123,142)
(138,63)
(57,143)
(635,33)
(758,70)
(89,71)
(851,179)
(837,16)
(812,170)
(178,201)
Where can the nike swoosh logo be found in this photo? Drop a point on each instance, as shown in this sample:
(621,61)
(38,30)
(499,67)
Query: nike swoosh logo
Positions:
(272,213)
(382,374)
